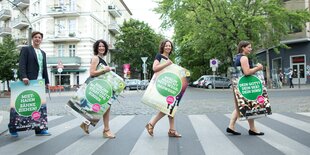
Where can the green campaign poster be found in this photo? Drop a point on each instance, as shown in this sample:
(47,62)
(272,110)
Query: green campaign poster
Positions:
(166,89)
(95,96)
(28,106)
(250,94)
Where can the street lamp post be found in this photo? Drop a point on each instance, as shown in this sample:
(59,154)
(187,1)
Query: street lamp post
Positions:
(30,26)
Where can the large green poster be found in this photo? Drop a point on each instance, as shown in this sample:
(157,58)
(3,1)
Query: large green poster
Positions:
(166,89)
(28,106)
(250,94)
(95,96)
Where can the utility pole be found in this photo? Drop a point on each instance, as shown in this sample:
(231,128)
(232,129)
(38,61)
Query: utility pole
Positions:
(30,26)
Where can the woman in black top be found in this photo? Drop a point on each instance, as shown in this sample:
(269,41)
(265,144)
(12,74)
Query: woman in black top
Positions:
(165,50)
(100,49)
(244,49)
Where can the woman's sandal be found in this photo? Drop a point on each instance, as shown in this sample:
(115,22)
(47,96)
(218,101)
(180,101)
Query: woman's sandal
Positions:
(149,127)
(108,134)
(174,133)
(85,128)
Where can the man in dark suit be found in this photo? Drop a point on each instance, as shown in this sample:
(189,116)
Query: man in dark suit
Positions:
(32,66)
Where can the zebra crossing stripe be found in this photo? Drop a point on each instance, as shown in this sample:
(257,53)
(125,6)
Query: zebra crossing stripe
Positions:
(292,122)
(153,145)
(305,114)
(90,143)
(210,136)
(50,118)
(32,141)
(278,140)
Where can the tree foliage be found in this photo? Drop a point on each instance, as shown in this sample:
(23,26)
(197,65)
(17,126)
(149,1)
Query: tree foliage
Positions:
(206,29)
(8,59)
(137,40)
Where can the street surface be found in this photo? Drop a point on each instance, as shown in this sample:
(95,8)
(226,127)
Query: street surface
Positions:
(202,118)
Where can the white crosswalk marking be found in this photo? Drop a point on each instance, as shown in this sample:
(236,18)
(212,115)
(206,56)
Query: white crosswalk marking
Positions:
(207,132)
(278,140)
(211,136)
(153,145)
(92,142)
(50,118)
(32,141)
(305,114)
(292,122)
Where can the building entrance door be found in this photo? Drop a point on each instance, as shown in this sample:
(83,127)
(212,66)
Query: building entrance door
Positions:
(299,73)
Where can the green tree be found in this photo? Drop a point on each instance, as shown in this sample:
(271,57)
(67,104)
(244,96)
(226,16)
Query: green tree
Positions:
(8,59)
(137,40)
(206,29)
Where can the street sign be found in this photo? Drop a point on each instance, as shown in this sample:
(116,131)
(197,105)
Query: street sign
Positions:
(214,63)
(60,65)
(144,59)
(59,70)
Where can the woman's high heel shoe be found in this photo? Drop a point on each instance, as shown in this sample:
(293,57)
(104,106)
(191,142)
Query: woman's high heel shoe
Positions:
(173,133)
(85,128)
(108,134)
(149,127)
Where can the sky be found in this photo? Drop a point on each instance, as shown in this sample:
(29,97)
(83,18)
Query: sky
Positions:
(142,10)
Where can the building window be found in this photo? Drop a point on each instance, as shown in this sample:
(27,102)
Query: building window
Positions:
(71,50)
(72,27)
(295,28)
(61,50)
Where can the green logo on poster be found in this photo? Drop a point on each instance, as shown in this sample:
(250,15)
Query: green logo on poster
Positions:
(98,91)
(168,84)
(27,102)
(250,87)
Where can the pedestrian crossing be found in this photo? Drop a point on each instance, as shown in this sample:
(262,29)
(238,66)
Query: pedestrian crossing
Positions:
(285,133)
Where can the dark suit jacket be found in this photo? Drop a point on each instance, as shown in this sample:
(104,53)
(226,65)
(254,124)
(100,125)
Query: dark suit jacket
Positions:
(28,64)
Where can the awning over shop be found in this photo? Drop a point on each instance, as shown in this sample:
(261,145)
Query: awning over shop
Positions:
(69,70)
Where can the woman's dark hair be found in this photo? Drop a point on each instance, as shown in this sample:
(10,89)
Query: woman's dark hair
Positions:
(35,33)
(162,46)
(96,46)
(241,45)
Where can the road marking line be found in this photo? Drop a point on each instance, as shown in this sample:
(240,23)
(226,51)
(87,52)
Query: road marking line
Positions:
(278,140)
(29,142)
(153,145)
(90,143)
(210,136)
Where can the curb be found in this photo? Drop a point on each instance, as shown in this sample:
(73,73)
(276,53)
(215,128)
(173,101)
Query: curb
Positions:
(4,121)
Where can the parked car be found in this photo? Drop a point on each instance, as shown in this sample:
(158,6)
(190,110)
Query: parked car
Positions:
(216,82)
(132,84)
(198,82)
(144,84)
(210,81)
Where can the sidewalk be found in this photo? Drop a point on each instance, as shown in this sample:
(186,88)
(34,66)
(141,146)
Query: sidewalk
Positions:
(4,120)
(296,87)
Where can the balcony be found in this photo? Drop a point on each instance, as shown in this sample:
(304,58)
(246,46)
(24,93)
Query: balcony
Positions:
(21,4)
(114,28)
(65,36)
(66,61)
(5,14)
(4,31)
(20,23)
(111,47)
(64,10)
(21,42)
(114,11)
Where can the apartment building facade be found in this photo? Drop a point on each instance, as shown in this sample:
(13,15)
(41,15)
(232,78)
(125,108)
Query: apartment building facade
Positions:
(297,56)
(70,28)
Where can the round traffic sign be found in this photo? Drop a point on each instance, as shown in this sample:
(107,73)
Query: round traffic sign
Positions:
(59,70)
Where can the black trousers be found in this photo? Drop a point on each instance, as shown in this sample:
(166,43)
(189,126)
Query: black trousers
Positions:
(291,83)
